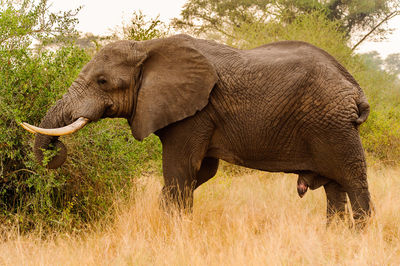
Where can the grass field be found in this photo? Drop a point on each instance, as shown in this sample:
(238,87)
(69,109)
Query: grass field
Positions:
(239,218)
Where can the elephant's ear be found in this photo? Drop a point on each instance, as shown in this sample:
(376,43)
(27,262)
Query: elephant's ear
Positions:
(176,83)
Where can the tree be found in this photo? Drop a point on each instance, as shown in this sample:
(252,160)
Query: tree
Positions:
(392,63)
(24,22)
(206,16)
(372,60)
(224,16)
(140,28)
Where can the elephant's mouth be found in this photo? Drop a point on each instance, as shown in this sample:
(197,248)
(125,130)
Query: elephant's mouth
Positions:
(61,131)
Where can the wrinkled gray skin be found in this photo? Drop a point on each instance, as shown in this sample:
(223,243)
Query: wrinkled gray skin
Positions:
(282,107)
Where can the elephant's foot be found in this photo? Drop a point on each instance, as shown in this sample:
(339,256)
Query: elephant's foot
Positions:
(174,201)
(362,207)
(336,202)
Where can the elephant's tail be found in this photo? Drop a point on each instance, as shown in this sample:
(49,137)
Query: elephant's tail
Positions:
(363,112)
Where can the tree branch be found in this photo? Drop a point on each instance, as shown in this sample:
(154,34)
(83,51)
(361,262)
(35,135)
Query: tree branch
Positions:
(21,170)
(390,16)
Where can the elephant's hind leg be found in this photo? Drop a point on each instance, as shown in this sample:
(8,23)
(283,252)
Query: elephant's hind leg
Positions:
(335,194)
(344,162)
(355,184)
(336,201)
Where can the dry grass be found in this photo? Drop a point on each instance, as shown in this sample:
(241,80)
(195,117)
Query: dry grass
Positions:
(251,219)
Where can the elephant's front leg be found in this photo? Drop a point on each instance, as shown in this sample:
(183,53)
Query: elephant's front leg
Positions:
(174,187)
(178,182)
(177,195)
(184,166)
(336,201)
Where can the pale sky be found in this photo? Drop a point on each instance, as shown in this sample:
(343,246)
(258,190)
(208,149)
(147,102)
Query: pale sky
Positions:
(99,17)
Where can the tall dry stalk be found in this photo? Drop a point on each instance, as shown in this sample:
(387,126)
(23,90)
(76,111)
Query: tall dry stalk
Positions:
(251,219)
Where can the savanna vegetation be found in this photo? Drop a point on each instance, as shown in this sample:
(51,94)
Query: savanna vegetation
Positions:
(238,219)
(113,180)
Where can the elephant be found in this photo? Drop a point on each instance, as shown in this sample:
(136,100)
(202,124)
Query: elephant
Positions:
(286,106)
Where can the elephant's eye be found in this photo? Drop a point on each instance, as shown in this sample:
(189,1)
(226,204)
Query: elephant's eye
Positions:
(102,81)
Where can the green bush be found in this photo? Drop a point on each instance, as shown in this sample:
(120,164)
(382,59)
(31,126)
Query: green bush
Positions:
(102,157)
(381,133)
(312,27)
(30,83)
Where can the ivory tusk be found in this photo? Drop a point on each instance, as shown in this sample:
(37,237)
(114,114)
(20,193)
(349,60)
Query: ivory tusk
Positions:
(75,126)
(27,128)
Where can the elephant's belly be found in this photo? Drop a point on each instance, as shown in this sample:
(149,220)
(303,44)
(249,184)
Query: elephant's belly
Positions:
(289,164)
(260,154)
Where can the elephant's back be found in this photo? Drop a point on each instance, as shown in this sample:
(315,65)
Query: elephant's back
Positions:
(306,55)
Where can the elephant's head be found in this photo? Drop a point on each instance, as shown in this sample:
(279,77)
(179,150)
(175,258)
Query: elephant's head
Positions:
(151,84)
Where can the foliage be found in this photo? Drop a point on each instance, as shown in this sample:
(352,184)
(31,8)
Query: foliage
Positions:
(392,63)
(224,17)
(381,133)
(25,21)
(372,60)
(140,28)
(354,16)
(31,80)
(29,83)
(313,28)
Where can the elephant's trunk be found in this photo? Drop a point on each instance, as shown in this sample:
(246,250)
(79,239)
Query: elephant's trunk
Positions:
(54,118)
(77,108)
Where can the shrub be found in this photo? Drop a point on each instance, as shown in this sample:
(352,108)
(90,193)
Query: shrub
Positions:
(30,83)
(102,157)
(381,133)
